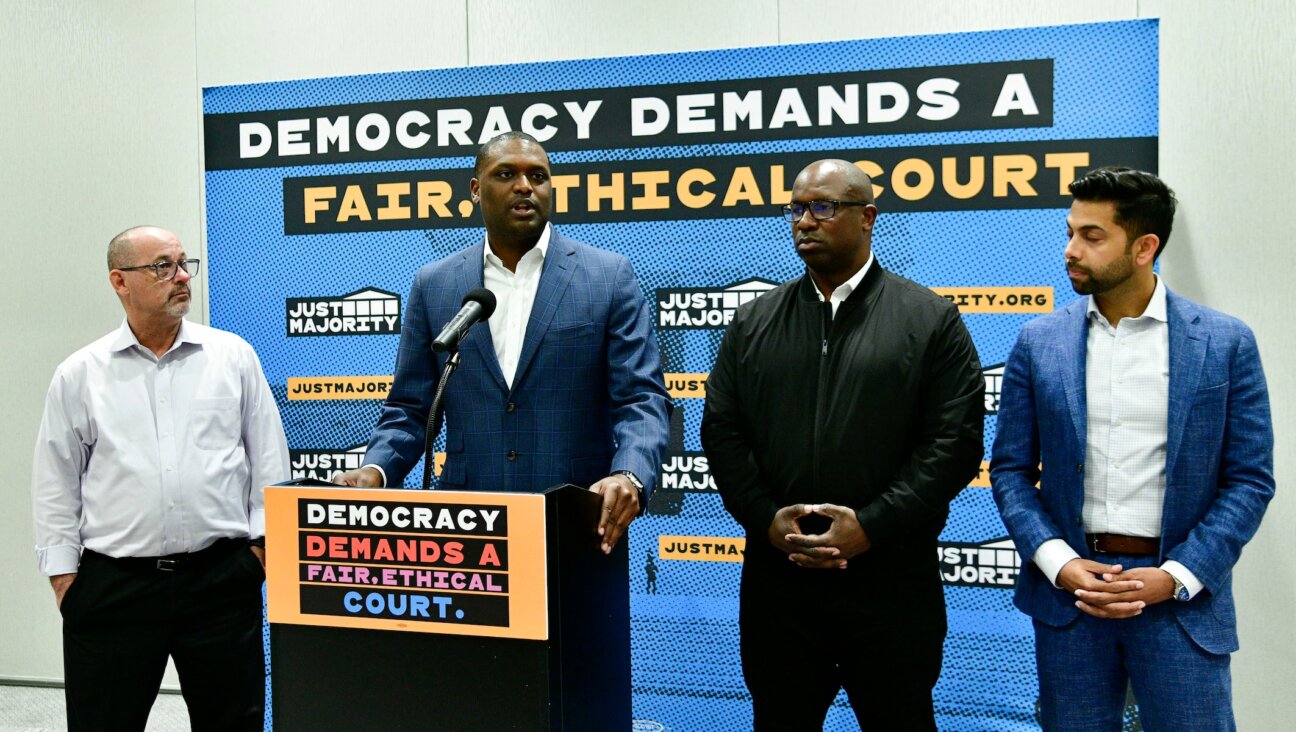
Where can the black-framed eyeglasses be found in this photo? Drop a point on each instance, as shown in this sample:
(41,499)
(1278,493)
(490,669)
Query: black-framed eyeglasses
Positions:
(165,271)
(821,208)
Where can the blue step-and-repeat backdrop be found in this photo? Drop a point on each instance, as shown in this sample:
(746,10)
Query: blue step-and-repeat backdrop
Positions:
(324,196)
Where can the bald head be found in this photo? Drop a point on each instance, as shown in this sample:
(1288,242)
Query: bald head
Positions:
(834,231)
(855,185)
(121,250)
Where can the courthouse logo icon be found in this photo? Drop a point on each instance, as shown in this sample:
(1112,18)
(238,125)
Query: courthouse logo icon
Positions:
(697,308)
(993,563)
(364,312)
(993,380)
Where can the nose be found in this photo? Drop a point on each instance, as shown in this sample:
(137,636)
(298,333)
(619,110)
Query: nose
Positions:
(522,184)
(182,275)
(807,222)
(1073,250)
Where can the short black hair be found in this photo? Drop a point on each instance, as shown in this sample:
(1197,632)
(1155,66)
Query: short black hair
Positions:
(1144,203)
(489,146)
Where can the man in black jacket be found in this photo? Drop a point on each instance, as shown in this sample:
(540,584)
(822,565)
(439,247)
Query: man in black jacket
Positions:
(844,413)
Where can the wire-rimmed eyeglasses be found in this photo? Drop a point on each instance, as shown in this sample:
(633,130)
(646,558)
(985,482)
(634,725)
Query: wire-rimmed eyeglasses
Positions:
(167,270)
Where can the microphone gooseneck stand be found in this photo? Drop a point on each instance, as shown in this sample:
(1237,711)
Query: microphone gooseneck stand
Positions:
(434,417)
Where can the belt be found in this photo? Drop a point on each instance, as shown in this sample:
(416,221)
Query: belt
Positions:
(1138,546)
(174,562)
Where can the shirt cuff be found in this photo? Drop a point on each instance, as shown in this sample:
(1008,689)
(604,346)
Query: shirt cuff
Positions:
(1052,556)
(1185,577)
(381,472)
(256,523)
(62,559)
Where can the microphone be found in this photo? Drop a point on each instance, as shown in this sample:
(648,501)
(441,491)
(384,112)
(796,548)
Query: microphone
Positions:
(477,306)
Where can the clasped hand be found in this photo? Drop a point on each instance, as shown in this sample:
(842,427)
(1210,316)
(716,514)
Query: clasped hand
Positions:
(843,539)
(1110,591)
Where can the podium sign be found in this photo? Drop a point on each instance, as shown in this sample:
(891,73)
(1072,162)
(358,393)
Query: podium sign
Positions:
(435,610)
(414,561)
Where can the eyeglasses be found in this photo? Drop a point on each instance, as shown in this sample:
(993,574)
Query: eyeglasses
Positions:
(165,271)
(821,209)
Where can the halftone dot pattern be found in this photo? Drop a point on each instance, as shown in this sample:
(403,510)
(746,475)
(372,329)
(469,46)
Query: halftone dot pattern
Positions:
(684,633)
(1079,53)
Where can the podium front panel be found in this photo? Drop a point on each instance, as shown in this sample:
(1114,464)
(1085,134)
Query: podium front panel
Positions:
(400,560)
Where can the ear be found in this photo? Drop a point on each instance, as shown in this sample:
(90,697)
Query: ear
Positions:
(1145,249)
(474,187)
(868,217)
(117,279)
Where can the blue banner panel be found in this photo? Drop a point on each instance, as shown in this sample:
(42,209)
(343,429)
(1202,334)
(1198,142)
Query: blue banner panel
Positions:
(324,196)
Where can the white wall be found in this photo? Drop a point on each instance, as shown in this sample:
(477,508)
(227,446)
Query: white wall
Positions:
(101,131)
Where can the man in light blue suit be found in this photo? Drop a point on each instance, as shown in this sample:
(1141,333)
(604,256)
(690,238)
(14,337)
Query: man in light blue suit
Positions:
(1150,416)
(562,384)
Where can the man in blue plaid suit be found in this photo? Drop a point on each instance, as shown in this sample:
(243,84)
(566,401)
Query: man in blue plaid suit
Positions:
(1133,462)
(562,384)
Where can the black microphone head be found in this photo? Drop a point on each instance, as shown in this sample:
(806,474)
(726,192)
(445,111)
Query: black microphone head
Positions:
(483,297)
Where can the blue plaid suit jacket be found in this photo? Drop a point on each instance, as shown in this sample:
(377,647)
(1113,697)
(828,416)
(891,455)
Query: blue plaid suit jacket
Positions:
(1219,457)
(587,399)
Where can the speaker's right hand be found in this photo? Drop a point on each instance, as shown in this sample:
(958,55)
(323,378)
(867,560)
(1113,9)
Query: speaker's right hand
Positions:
(364,477)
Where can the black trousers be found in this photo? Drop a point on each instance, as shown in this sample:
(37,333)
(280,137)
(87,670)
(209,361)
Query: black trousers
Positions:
(805,634)
(122,618)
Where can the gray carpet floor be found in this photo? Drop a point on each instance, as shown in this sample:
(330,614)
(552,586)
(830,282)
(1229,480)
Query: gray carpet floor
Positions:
(35,709)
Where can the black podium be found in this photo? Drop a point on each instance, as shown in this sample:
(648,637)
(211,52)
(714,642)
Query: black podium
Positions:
(323,677)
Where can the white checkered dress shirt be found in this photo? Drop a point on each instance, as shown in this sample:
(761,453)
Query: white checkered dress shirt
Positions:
(1127,391)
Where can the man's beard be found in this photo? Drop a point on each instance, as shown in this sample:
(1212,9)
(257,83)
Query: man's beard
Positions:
(1111,276)
(178,308)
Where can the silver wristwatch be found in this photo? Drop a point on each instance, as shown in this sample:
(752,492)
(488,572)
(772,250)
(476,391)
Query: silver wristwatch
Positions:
(639,487)
(1180,591)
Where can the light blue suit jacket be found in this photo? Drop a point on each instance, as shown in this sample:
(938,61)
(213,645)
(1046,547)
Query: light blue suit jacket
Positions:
(587,398)
(1219,457)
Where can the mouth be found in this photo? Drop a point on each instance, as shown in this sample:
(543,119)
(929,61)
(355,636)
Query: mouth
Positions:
(181,293)
(805,243)
(524,207)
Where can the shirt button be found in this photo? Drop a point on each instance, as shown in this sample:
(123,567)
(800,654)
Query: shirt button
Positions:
(1117,422)
(1079,522)
(1079,467)
(510,407)
(512,455)
(168,468)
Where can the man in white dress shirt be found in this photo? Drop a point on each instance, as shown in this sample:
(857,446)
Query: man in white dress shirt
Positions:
(154,447)
(1150,416)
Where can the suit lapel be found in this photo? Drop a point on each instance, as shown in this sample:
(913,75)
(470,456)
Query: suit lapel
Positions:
(470,277)
(1187,355)
(559,265)
(1074,345)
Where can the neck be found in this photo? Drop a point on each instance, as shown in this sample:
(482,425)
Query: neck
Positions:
(1129,299)
(829,281)
(511,249)
(156,335)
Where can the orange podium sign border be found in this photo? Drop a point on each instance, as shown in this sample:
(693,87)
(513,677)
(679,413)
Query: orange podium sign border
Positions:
(528,610)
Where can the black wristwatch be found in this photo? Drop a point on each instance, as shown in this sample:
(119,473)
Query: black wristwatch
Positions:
(639,487)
